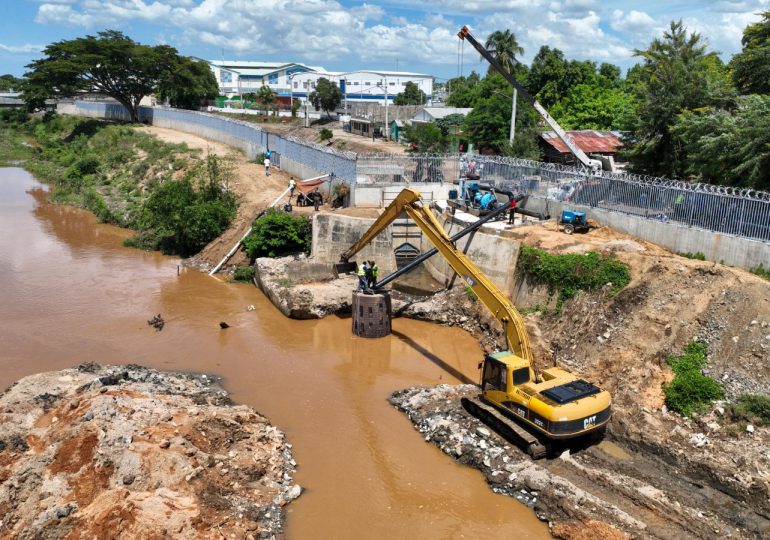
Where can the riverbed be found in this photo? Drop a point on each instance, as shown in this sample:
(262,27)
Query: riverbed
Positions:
(72,293)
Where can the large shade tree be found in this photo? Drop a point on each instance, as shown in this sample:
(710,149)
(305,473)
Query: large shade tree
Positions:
(189,81)
(109,63)
(412,95)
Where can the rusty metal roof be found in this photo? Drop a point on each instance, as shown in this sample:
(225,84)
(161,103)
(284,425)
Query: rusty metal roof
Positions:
(588,140)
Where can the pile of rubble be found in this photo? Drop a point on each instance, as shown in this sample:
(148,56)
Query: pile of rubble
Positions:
(94,450)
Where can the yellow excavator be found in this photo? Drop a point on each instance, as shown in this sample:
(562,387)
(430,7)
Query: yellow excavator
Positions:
(532,410)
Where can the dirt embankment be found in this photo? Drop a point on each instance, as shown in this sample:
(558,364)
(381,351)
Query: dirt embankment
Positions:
(95,452)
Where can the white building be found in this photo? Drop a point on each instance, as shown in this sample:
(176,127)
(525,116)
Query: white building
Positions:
(362,86)
(237,77)
(430,114)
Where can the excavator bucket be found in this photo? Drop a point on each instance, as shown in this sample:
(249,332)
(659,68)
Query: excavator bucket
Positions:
(344,268)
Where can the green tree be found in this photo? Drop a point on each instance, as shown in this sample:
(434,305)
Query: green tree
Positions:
(110,63)
(552,76)
(425,139)
(504,47)
(677,74)
(594,106)
(188,83)
(266,97)
(462,90)
(9,82)
(451,121)
(728,147)
(412,95)
(751,67)
(327,96)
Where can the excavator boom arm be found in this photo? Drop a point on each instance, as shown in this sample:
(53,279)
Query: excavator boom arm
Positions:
(410,202)
(486,291)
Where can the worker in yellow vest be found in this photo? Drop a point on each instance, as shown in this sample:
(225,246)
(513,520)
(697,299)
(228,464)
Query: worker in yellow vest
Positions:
(363,268)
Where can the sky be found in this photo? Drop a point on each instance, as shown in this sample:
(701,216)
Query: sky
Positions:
(343,35)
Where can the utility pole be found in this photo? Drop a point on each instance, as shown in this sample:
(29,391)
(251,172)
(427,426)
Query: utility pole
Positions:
(387,127)
(513,115)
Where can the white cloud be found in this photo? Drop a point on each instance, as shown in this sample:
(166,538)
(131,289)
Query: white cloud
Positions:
(633,21)
(424,31)
(21,49)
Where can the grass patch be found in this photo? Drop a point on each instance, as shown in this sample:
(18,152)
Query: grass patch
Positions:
(752,408)
(691,391)
(566,275)
(244,273)
(698,255)
(761,272)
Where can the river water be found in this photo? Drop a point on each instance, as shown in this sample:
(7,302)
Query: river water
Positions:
(70,292)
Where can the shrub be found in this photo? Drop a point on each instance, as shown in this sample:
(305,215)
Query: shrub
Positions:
(698,255)
(244,273)
(566,275)
(277,233)
(325,134)
(691,390)
(752,408)
(94,202)
(179,219)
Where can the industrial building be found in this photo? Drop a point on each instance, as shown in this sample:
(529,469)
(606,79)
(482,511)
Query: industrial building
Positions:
(238,77)
(365,85)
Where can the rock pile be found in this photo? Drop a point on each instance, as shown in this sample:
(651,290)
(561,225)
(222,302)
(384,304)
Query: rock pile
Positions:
(89,451)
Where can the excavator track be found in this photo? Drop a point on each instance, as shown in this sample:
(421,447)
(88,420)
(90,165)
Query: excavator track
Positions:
(506,427)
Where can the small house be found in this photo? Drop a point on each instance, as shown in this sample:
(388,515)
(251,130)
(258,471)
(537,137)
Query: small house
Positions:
(592,142)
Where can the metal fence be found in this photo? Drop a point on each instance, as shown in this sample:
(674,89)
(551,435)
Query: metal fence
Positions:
(735,211)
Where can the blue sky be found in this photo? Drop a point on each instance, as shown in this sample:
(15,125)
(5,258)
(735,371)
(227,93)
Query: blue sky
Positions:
(413,35)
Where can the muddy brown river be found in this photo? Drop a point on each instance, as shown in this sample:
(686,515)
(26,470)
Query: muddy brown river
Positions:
(72,293)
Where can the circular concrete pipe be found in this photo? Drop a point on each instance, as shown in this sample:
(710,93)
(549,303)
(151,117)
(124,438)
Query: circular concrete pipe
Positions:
(371,314)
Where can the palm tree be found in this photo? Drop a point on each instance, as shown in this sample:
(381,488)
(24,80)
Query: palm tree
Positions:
(503,46)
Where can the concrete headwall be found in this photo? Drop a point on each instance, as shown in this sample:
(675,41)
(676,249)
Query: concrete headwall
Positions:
(334,234)
(493,254)
(677,237)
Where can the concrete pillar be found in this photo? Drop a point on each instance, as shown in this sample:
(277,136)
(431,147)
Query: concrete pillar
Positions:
(372,313)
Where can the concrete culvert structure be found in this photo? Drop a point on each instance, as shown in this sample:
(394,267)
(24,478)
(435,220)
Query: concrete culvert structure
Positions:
(372,313)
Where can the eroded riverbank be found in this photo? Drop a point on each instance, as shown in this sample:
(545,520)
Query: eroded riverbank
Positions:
(74,294)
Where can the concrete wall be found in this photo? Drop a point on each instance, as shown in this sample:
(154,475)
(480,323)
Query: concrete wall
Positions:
(495,256)
(380,195)
(677,237)
(334,234)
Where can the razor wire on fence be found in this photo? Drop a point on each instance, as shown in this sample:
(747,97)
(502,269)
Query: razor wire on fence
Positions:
(736,211)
